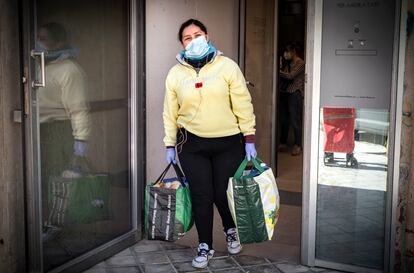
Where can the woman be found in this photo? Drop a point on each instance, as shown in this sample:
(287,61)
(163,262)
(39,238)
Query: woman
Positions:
(208,117)
(291,98)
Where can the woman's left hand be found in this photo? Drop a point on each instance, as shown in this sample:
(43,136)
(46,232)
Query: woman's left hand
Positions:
(250,151)
(80,148)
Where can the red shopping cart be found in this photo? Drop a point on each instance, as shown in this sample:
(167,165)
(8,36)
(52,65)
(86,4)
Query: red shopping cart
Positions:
(339,125)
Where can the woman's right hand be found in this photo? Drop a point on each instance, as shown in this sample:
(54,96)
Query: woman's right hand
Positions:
(251,152)
(170,155)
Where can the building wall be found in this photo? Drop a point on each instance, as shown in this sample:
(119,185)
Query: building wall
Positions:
(163,19)
(12,245)
(405,213)
(259,69)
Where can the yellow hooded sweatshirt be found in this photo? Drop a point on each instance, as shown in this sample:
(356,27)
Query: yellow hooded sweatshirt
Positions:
(65,97)
(214,102)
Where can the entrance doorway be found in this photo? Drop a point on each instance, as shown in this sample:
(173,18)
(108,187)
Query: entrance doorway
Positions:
(291,34)
(81,107)
(291,26)
(269,27)
(258,58)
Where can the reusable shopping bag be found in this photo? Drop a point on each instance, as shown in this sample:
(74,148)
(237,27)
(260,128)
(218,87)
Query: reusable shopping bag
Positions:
(254,202)
(78,198)
(168,209)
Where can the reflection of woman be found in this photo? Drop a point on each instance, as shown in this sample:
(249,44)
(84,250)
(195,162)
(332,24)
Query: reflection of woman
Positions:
(63,106)
(291,98)
(65,95)
(207,110)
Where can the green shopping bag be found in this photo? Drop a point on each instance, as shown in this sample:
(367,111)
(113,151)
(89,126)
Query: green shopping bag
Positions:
(254,202)
(78,200)
(168,209)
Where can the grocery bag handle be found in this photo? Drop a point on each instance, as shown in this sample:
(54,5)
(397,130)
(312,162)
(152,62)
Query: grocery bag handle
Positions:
(178,171)
(256,162)
(163,174)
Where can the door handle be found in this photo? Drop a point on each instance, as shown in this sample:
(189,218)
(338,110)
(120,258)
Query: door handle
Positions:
(42,82)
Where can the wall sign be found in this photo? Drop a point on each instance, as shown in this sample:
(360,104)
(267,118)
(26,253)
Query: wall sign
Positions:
(357,49)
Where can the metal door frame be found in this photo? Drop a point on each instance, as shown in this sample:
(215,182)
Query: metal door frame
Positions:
(137,152)
(311,138)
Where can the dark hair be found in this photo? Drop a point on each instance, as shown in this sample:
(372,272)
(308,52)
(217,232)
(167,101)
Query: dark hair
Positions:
(294,47)
(190,22)
(57,32)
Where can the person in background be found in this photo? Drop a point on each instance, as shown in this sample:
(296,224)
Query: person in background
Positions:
(209,120)
(291,98)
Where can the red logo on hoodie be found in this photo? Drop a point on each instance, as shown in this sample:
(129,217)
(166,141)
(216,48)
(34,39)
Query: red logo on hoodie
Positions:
(198,85)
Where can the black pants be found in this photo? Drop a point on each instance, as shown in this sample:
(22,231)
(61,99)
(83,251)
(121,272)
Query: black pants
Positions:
(56,148)
(290,113)
(208,163)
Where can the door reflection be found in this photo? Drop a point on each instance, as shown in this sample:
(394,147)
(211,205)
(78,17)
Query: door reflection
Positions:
(64,124)
(352,197)
(84,126)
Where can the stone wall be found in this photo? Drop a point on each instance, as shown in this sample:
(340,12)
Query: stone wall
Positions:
(12,244)
(404,260)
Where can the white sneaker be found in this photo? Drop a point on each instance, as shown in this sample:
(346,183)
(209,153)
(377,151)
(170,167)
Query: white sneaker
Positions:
(203,256)
(233,245)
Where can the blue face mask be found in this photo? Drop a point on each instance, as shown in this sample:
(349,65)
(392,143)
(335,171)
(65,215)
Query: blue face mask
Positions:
(60,54)
(197,48)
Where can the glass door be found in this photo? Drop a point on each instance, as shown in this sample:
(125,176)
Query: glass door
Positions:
(350,167)
(356,84)
(81,146)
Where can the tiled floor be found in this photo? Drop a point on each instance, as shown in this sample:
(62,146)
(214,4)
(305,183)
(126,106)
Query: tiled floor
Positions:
(285,244)
(350,221)
(289,172)
(162,257)
(286,240)
(281,255)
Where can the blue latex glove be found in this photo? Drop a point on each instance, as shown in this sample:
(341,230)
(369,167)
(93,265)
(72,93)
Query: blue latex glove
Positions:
(250,151)
(170,155)
(80,148)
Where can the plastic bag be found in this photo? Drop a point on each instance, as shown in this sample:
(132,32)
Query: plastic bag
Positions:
(254,202)
(78,196)
(168,209)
